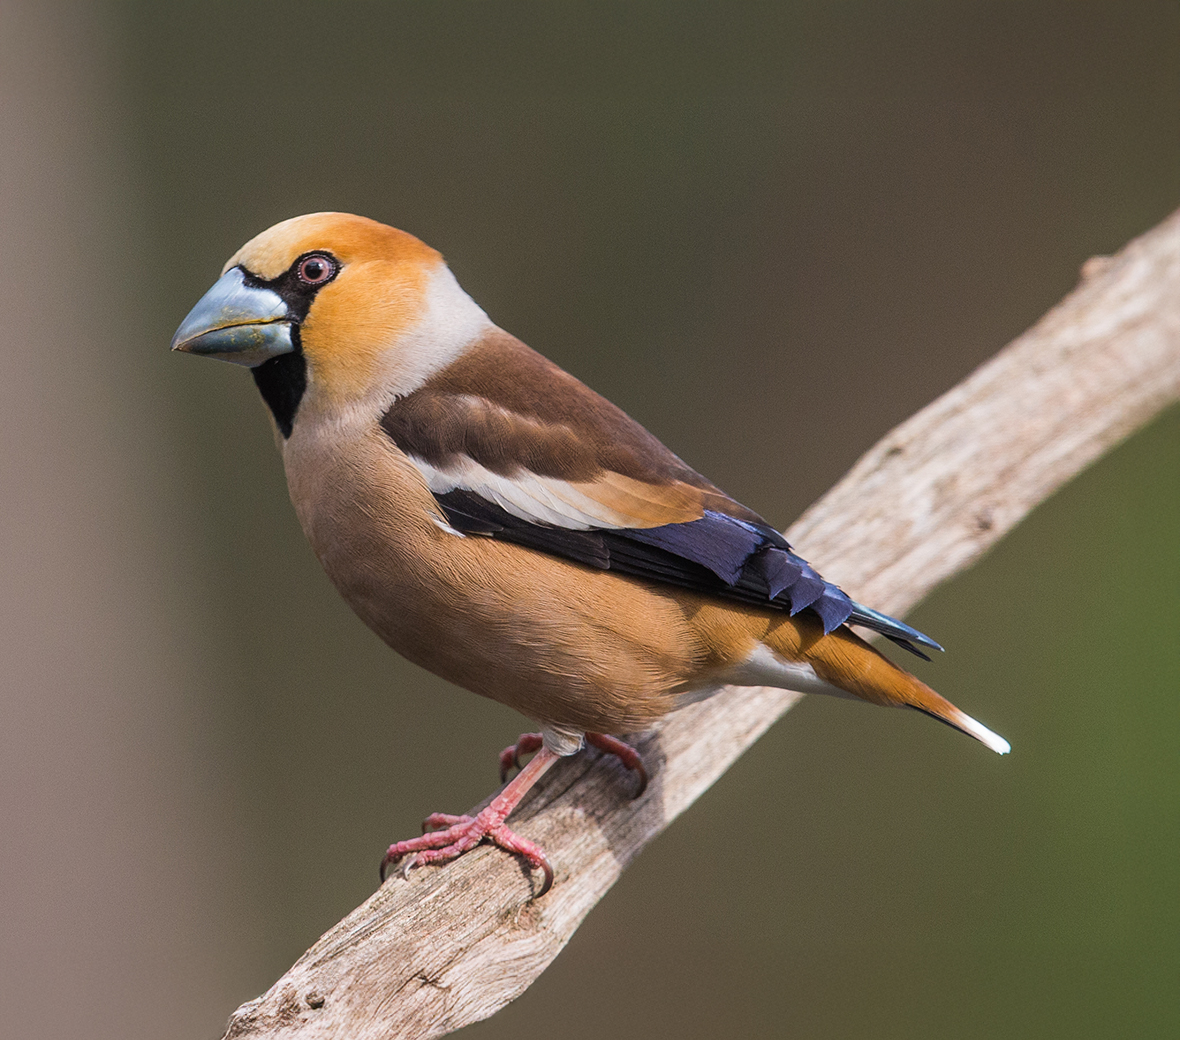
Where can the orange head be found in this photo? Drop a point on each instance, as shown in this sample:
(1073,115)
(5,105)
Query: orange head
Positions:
(332,309)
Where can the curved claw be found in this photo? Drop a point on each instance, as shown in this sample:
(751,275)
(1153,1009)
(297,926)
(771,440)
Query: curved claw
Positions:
(641,771)
(548,882)
(625,753)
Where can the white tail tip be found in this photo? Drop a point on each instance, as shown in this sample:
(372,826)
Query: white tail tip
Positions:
(981,733)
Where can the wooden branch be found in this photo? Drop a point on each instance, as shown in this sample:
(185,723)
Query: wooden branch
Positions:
(450,946)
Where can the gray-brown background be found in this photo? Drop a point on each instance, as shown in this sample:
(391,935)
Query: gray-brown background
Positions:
(769,232)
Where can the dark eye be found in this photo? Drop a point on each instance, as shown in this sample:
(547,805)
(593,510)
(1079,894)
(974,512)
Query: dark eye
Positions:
(316,269)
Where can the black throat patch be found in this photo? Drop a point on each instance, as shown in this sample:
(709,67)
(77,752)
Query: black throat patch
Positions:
(282,381)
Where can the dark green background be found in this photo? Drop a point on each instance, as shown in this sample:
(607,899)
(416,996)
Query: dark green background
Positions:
(769,232)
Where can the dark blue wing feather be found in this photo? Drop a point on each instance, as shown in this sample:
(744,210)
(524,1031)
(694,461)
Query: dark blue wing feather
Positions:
(718,555)
(716,541)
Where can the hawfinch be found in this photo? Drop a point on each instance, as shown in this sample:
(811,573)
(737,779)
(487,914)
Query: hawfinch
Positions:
(497,522)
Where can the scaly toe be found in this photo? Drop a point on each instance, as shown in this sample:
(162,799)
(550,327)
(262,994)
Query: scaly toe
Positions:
(430,840)
(531,851)
(460,834)
(439,820)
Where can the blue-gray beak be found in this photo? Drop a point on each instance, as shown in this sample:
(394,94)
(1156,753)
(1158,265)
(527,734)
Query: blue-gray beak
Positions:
(237,322)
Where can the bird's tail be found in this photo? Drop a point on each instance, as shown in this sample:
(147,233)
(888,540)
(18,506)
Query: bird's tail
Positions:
(844,660)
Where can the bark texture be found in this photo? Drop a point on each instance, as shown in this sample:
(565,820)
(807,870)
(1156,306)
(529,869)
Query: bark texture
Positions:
(423,957)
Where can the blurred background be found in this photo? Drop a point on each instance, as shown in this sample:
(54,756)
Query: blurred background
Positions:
(768,231)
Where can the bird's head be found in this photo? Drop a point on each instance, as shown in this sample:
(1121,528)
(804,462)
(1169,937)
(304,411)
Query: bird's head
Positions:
(332,310)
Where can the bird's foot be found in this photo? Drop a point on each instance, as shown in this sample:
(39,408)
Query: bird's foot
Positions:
(448,837)
(528,742)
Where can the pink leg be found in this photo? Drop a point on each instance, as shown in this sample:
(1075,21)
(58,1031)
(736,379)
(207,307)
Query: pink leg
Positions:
(625,754)
(461,833)
(529,742)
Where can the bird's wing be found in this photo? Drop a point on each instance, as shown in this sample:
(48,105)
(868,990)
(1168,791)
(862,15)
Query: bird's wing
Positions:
(515,448)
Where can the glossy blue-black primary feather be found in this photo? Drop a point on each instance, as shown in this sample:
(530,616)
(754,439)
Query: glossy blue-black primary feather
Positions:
(717,555)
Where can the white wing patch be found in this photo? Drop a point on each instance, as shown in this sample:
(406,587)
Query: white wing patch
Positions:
(536,499)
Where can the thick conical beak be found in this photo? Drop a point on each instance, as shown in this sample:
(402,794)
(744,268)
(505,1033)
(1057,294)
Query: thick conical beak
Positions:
(237,322)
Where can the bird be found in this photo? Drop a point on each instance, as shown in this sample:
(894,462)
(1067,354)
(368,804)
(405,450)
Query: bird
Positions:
(497,522)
